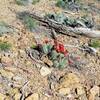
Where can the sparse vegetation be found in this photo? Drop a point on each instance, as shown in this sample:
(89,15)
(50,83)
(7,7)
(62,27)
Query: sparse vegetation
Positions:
(67,4)
(84,21)
(4,46)
(29,22)
(26,2)
(4,28)
(49,50)
(95,43)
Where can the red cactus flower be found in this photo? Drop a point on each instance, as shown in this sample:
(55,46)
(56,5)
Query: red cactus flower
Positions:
(60,48)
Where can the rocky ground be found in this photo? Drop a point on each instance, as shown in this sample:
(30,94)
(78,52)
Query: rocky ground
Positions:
(23,79)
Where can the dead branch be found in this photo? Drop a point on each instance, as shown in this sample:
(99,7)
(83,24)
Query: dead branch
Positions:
(65,29)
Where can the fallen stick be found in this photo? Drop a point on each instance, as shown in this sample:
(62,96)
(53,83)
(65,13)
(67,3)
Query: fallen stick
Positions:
(65,29)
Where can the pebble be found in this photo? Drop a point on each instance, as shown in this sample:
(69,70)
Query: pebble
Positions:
(69,79)
(44,71)
(68,83)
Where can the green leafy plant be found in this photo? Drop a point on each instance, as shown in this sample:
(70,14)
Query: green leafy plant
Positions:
(95,43)
(46,48)
(62,63)
(33,46)
(61,4)
(30,23)
(62,19)
(4,28)
(53,55)
(26,2)
(35,1)
(58,59)
(4,46)
(66,3)
(84,21)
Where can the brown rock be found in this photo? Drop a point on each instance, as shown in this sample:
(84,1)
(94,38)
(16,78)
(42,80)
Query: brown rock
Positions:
(69,80)
(46,60)
(69,83)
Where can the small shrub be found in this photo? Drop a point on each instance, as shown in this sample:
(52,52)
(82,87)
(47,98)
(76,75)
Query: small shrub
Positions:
(61,4)
(95,43)
(29,22)
(26,2)
(4,28)
(67,4)
(4,46)
(88,21)
(35,1)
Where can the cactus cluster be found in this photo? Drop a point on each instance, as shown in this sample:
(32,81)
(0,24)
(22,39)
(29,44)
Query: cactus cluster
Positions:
(59,60)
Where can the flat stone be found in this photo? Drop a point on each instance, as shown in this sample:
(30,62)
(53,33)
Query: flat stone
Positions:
(44,71)
(68,83)
(69,79)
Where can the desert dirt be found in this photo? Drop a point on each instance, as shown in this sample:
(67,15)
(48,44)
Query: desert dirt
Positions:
(20,78)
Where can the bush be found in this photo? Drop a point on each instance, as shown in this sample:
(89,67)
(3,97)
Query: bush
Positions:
(95,43)
(29,22)
(4,28)
(4,46)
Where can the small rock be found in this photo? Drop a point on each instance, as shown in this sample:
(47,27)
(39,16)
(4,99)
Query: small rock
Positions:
(70,83)
(46,60)
(69,80)
(38,65)
(93,92)
(34,96)
(44,71)
(64,91)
